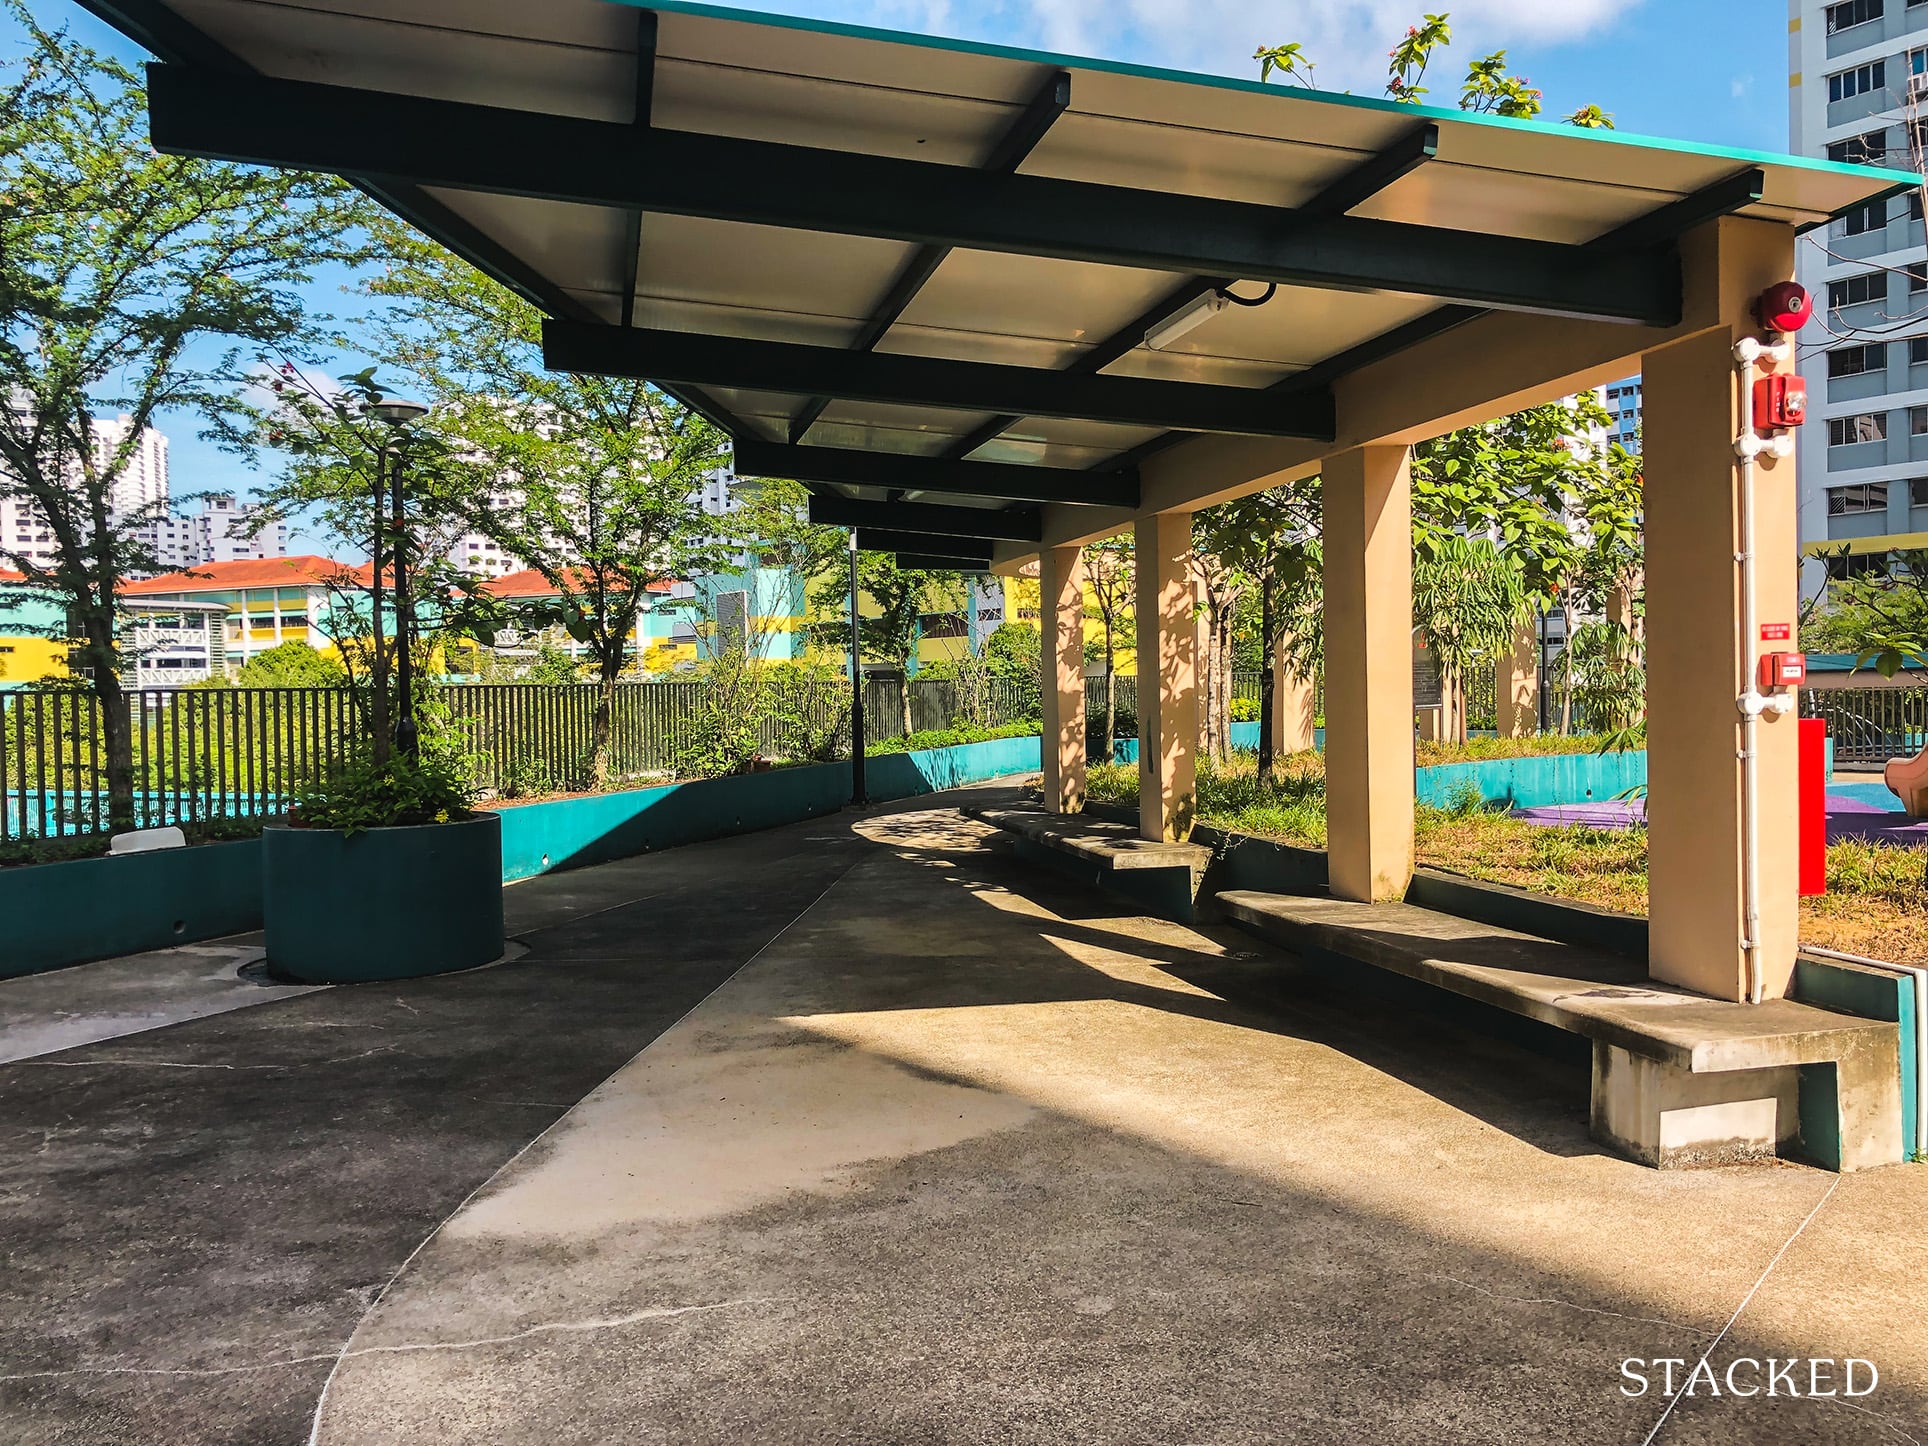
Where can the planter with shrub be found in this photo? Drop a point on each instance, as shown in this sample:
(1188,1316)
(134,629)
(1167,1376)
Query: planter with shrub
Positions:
(383,872)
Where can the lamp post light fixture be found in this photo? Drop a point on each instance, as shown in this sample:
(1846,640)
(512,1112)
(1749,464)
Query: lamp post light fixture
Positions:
(396,413)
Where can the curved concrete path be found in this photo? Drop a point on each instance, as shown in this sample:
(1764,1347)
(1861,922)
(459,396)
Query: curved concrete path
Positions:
(864,1131)
(960,1157)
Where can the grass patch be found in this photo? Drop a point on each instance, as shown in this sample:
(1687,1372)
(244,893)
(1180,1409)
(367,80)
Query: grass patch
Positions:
(1476,750)
(1876,904)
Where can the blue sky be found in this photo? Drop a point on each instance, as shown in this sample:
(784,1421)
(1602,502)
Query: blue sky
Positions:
(1713,71)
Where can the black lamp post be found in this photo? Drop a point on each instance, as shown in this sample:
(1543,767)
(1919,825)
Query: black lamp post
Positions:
(397,413)
(859,789)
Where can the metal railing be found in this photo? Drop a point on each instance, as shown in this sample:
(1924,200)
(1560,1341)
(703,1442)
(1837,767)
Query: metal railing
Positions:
(201,753)
(197,753)
(1871,725)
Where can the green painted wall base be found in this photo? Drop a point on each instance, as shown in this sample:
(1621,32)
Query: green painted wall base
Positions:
(67,913)
(388,903)
(573,832)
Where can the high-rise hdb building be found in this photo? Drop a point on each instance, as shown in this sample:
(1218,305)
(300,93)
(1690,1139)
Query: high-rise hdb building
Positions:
(1858,78)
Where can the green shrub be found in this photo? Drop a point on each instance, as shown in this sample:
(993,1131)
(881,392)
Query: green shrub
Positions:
(434,787)
(1245,710)
(952,737)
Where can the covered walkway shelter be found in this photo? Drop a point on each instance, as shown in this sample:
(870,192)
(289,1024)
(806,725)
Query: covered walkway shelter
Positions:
(925,277)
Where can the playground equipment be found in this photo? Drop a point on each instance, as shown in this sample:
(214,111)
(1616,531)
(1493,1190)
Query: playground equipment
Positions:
(1907,778)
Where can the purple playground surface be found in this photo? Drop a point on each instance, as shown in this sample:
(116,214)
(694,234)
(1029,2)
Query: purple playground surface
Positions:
(1855,810)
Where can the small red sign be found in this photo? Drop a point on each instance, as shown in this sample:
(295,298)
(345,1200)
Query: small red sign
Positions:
(1776,632)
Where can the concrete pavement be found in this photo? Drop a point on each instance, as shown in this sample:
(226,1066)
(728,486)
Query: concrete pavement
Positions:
(954,1153)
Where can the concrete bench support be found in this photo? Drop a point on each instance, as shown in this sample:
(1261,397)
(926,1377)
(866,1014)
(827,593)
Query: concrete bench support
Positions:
(1678,1078)
(1668,1117)
(1158,879)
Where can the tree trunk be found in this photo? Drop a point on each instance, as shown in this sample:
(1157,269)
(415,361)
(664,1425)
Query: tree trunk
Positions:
(904,696)
(1111,695)
(117,732)
(600,720)
(1268,677)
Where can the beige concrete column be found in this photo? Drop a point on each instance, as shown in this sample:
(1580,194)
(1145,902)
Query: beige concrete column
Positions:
(1293,706)
(1167,677)
(1516,685)
(1697,662)
(1061,631)
(1366,499)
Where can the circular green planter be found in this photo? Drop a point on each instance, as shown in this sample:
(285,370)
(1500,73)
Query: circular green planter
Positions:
(387,903)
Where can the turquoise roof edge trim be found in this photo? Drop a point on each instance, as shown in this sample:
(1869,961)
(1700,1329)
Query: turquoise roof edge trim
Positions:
(1894,179)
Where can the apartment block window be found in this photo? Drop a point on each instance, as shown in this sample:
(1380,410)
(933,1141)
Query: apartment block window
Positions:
(1865,427)
(1854,361)
(1918,421)
(1857,290)
(1918,491)
(1871,217)
(1860,497)
(1858,81)
(1914,205)
(1917,351)
(1918,270)
(1870,149)
(1851,13)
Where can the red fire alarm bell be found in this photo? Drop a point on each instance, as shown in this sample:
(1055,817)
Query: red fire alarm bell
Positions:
(1784,307)
(1783,670)
(1780,402)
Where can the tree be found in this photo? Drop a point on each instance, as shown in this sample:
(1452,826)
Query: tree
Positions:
(1488,88)
(1111,578)
(900,596)
(290,665)
(340,470)
(1274,536)
(1467,599)
(119,269)
(1221,586)
(1880,616)
(594,482)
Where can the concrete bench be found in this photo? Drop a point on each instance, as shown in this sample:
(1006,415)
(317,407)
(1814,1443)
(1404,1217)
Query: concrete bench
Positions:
(1161,878)
(1678,1078)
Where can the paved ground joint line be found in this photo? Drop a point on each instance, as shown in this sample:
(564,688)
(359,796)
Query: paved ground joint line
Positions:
(321,1401)
(1753,1290)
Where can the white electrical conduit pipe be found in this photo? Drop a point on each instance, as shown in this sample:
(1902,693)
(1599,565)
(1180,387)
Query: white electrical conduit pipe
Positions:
(1920,977)
(1752,702)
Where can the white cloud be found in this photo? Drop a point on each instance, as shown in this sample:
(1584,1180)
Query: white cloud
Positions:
(1347,39)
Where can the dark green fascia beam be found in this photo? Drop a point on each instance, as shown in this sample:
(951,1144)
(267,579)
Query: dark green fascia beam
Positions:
(777,366)
(1008,481)
(1017,142)
(522,153)
(883,539)
(930,562)
(934,519)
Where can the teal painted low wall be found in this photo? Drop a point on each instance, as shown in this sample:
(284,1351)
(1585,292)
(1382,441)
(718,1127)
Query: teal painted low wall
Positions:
(53,915)
(574,832)
(1872,994)
(1245,739)
(905,775)
(1535,782)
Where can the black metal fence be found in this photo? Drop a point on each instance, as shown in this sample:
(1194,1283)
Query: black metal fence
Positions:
(247,752)
(1871,725)
(233,752)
